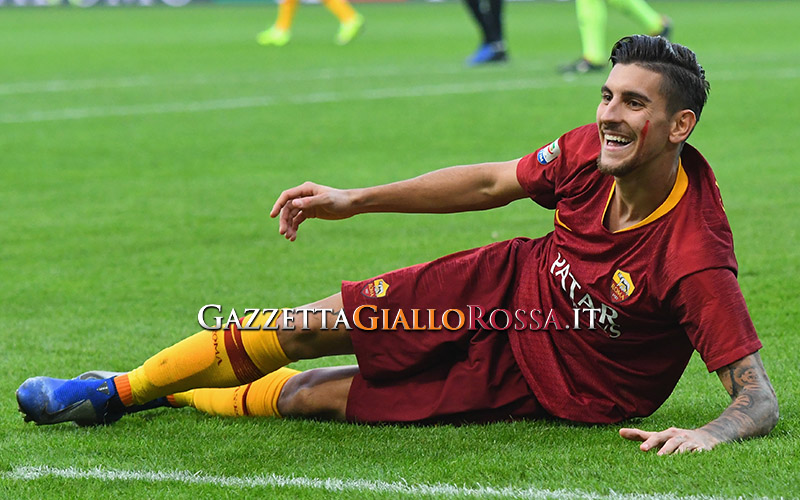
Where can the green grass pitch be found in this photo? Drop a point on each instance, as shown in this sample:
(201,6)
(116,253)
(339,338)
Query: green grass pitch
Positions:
(141,148)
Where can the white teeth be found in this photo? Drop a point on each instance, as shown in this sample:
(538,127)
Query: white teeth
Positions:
(616,138)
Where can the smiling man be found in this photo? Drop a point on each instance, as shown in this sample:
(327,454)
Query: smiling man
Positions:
(638,273)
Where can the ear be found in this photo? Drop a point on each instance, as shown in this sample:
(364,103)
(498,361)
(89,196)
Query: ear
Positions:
(683,123)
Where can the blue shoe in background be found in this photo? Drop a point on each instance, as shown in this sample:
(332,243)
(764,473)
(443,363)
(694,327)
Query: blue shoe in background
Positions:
(487,53)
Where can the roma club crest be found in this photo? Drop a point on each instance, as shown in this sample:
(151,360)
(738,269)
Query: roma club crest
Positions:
(377,288)
(621,286)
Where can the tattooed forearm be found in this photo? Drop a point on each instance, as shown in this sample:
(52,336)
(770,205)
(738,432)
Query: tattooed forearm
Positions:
(753,410)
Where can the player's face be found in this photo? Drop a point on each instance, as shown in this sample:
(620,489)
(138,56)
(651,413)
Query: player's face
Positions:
(632,120)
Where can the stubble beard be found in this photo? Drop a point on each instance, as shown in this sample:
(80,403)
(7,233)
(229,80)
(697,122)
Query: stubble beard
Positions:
(619,170)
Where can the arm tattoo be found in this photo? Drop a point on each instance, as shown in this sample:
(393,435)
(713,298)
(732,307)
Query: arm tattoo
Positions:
(753,410)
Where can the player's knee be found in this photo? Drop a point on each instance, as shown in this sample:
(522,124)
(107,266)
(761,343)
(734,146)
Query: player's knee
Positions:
(316,393)
(299,344)
(314,340)
(298,397)
(292,403)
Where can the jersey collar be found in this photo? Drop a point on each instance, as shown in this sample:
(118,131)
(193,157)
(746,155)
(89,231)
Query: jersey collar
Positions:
(678,190)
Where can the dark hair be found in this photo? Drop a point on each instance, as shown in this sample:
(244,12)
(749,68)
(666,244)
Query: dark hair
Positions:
(683,80)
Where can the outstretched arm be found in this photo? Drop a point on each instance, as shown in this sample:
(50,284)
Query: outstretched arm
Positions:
(753,412)
(453,189)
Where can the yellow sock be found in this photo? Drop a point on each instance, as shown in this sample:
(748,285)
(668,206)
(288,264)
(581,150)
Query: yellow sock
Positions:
(181,399)
(341,9)
(257,399)
(223,358)
(286,10)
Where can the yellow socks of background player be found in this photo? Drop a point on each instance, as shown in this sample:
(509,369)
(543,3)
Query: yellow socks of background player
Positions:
(220,358)
(286,10)
(257,399)
(592,17)
(341,9)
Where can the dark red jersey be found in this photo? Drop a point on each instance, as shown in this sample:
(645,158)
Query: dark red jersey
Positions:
(658,290)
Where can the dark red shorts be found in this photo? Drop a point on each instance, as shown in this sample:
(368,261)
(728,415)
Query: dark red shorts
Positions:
(427,376)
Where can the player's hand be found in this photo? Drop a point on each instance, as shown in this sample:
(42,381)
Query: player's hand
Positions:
(671,440)
(309,201)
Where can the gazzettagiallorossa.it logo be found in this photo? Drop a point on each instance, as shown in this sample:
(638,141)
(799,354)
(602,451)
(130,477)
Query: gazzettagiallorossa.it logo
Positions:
(369,317)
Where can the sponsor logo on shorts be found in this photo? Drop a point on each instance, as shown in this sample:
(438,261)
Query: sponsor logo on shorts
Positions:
(377,288)
(549,153)
(621,286)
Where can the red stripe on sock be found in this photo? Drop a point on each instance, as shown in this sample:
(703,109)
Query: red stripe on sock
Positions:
(244,401)
(123,385)
(243,367)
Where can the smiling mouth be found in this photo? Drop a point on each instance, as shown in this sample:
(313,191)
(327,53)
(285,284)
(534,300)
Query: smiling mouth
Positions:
(614,141)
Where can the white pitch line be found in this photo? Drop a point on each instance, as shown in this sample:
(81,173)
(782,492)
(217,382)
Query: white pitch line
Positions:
(322,74)
(332,97)
(334,485)
(267,100)
(791,73)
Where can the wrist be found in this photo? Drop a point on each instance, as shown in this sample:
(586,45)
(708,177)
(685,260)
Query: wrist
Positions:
(361,200)
(357,199)
(710,437)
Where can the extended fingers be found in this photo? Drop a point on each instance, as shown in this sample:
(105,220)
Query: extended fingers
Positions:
(305,189)
(286,217)
(660,439)
(672,444)
(291,218)
(682,444)
(674,440)
(634,434)
(296,221)
(690,446)
(282,200)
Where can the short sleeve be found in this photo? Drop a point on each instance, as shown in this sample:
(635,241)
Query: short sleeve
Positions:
(536,173)
(712,311)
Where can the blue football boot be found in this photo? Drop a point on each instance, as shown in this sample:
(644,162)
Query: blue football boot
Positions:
(488,53)
(102,374)
(46,400)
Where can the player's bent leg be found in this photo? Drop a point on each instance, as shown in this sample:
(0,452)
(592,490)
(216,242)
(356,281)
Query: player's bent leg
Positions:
(321,336)
(234,357)
(210,358)
(207,359)
(318,393)
(256,399)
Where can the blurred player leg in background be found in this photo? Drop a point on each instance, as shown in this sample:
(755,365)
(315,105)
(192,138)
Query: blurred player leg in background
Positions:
(592,23)
(279,34)
(488,15)
(350,21)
